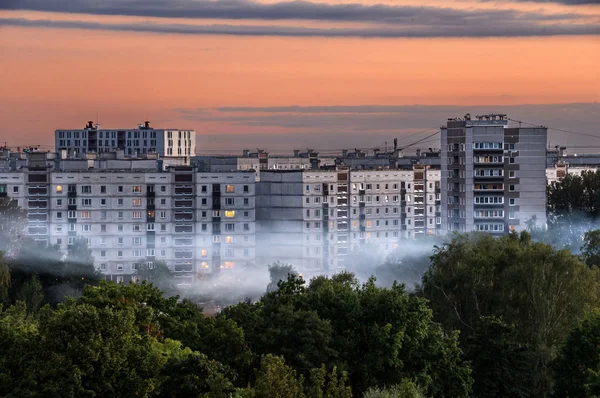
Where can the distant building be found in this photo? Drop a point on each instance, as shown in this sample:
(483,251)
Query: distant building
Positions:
(141,140)
(493,176)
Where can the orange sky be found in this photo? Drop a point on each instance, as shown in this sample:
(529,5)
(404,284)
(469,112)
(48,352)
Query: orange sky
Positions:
(59,78)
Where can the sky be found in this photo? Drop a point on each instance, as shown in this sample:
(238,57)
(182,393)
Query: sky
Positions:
(283,75)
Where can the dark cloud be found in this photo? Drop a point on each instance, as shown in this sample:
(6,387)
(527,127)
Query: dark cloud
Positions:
(286,10)
(500,29)
(330,126)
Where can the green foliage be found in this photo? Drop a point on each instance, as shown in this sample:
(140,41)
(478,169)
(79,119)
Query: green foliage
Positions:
(32,294)
(221,339)
(195,376)
(577,367)
(159,275)
(573,208)
(538,289)
(378,336)
(279,272)
(275,379)
(406,389)
(501,364)
(58,278)
(590,251)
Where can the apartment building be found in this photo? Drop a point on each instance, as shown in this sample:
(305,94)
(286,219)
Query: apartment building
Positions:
(318,220)
(560,170)
(198,223)
(137,141)
(493,176)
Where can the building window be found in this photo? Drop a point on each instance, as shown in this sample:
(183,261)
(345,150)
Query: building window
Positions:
(137,228)
(229,201)
(204,252)
(136,202)
(120,202)
(246,188)
(103,189)
(137,214)
(511,174)
(86,189)
(246,201)
(230,188)
(512,201)
(103,228)
(86,215)
(511,188)
(229,213)
(136,189)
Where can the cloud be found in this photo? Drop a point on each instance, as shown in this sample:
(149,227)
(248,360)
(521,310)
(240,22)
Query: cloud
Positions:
(500,29)
(565,2)
(360,126)
(247,9)
(390,20)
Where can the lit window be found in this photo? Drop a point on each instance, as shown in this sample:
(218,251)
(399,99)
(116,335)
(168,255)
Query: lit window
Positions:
(204,265)
(369,223)
(136,189)
(137,214)
(229,213)
(229,239)
(136,202)
(204,252)
(229,264)
(59,189)
(230,188)
(86,214)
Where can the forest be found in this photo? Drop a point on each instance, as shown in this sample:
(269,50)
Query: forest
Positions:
(510,316)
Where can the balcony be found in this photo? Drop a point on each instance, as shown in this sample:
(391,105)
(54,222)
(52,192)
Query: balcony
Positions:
(487,160)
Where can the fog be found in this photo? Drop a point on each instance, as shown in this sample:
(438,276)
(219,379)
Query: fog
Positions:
(404,264)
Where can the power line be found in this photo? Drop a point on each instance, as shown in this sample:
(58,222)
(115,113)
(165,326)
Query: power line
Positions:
(556,129)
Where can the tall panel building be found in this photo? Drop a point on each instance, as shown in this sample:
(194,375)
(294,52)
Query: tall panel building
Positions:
(493,176)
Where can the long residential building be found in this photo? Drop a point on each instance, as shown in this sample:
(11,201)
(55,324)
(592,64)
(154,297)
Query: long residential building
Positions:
(133,211)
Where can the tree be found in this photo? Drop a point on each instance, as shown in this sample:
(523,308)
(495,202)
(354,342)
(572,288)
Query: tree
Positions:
(159,274)
(13,221)
(220,338)
(540,290)
(377,336)
(406,389)
(500,362)
(195,376)
(590,251)
(279,272)
(32,294)
(19,336)
(577,367)
(573,207)
(275,379)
